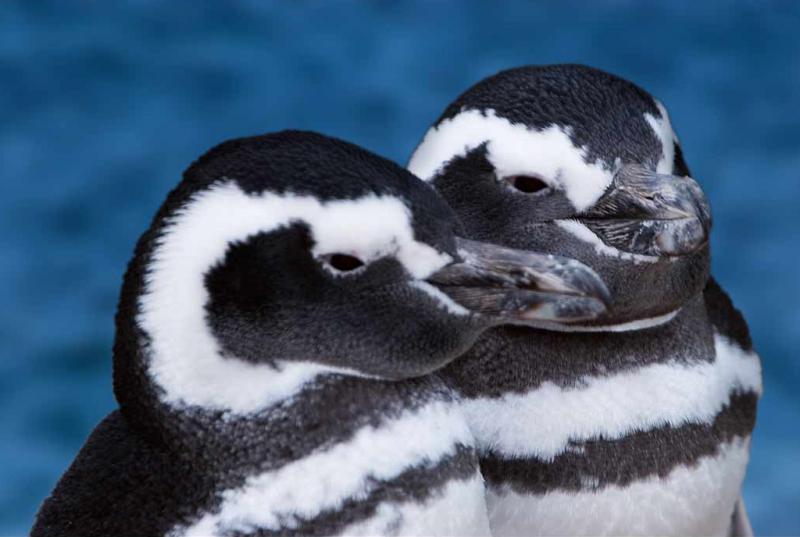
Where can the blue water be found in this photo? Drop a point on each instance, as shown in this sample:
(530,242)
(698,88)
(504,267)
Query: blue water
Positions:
(103,106)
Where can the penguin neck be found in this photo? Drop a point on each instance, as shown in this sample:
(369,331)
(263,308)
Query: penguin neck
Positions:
(179,395)
(324,410)
(192,399)
(519,359)
(291,409)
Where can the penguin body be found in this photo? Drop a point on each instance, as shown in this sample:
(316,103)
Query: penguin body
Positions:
(638,422)
(635,432)
(277,334)
(122,484)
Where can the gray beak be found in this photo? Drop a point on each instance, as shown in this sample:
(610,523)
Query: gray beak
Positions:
(648,213)
(517,286)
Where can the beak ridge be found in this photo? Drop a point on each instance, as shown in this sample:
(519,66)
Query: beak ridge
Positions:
(650,213)
(519,285)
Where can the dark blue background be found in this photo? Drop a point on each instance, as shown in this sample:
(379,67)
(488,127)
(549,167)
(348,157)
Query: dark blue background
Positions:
(102,107)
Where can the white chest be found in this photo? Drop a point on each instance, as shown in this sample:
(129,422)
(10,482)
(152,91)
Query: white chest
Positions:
(549,421)
(544,421)
(457,511)
(307,491)
(695,500)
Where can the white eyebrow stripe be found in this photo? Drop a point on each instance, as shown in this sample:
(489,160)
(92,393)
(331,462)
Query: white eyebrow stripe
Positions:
(184,358)
(515,149)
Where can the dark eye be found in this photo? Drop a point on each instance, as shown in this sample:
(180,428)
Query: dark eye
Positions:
(527,183)
(343,262)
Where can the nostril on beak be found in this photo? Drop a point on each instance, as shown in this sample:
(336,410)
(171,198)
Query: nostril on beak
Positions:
(652,214)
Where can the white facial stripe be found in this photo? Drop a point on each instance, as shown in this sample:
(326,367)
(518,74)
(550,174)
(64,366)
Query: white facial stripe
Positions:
(369,228)
(663,130)
(185,359)
(690,500)
(542,422)
(514,149)
(305,488)
(580,231)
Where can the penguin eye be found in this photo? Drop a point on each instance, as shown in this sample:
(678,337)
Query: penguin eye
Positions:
(342,262)
(528,184)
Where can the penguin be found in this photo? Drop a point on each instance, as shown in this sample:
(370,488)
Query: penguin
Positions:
(637,422)
(277,336)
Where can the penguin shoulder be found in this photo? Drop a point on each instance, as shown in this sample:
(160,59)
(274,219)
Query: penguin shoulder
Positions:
(724,317)
(119,483)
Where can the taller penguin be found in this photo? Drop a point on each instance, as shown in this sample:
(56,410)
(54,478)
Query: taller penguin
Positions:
(638,422)
(276,332)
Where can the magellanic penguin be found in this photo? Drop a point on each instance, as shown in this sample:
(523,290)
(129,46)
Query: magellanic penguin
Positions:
(275,333)
(637,422)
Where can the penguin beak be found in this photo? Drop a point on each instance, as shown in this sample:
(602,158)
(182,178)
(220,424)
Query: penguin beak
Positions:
(518,286)
(648,213)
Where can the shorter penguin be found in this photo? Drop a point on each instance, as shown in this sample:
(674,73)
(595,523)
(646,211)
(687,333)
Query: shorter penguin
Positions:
(275,333)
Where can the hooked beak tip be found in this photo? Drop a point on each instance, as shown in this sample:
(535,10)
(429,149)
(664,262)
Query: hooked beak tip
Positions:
(648,213)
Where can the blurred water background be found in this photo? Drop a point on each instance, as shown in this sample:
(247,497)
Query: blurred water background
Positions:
(103,105)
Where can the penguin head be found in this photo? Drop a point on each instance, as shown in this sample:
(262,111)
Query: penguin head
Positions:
(294,253)
(571,160)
